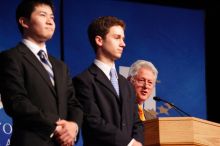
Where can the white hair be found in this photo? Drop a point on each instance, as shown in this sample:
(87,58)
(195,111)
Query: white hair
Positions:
(133,71)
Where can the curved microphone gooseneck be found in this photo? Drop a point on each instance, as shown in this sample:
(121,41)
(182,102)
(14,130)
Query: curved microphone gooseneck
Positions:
(181,112)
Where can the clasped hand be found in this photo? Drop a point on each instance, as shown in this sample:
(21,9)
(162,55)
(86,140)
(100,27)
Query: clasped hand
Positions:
(65,132)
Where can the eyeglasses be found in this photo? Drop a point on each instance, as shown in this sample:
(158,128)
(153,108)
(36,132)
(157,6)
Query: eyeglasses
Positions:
(144,82)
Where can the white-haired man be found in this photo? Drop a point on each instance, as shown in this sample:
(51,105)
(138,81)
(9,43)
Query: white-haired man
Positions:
(143,76)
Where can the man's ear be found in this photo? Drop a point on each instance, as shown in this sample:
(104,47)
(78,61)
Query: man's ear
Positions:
(24,22)
(99,40)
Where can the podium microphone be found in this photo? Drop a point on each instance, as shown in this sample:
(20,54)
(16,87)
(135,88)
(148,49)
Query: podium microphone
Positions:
(181,112)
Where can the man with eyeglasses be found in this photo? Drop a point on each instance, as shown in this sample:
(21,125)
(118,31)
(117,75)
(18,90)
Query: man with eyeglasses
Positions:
(143,76)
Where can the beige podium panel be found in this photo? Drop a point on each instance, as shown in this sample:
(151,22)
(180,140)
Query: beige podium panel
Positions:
(181,131)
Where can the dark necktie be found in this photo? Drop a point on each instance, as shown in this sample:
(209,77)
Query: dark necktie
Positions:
(114,80)
(46,65)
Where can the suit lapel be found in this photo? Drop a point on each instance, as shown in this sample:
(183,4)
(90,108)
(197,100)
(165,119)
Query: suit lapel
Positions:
(31,58)
(126,95)
(123,91)
(57,76)
(101,77)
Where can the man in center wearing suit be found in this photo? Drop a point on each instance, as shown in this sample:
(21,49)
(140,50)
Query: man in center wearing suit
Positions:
(110,114)
(36,88)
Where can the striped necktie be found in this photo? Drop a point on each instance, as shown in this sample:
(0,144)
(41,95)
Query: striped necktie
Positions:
(114,80)
(141,112)
(46,64)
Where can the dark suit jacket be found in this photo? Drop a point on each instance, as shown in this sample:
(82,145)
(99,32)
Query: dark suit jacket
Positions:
(31,100)
(109,120)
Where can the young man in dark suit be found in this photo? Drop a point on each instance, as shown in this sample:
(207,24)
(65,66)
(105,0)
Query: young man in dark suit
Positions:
(110,112)
(36,89)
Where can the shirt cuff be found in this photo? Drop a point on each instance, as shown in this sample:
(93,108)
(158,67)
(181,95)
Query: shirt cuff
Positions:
(131,142)
(77,130)
(52,134)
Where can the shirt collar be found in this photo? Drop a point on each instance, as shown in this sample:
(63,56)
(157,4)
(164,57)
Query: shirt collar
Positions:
(33,47)
(104,67)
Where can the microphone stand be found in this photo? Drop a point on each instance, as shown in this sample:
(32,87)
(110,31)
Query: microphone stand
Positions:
(181,112)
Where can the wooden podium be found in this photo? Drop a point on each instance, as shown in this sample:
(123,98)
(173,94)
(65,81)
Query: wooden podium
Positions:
(181,131)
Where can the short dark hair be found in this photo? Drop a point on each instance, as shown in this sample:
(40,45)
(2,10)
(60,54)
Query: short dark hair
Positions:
(101,26)
(26,7)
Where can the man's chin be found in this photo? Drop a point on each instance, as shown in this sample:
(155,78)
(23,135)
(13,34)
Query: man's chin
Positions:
(143,98)
(117,57)
(47,37)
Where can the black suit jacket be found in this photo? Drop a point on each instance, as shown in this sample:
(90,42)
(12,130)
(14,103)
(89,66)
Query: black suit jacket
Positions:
(31,100)
(109,120)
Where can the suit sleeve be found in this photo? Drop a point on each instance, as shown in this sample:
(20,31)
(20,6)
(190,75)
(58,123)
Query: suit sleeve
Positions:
(105,131)
(138,127)
(75,112)
(15,98)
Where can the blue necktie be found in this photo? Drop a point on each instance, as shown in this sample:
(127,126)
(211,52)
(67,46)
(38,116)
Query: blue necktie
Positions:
(114,80)
(46,65)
